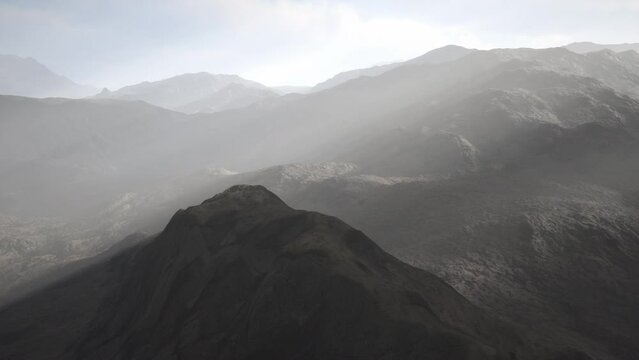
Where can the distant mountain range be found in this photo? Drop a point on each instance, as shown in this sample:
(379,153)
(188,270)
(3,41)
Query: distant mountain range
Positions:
(586,47)
(205,92)
(27,77)
(189,93)
(437,56)
(195,93)
(451,53)
(510,173)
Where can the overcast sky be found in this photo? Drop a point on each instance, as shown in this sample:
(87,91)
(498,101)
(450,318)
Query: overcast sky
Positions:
(285,42)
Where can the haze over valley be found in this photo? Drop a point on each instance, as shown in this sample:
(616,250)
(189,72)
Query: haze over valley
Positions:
(468,202)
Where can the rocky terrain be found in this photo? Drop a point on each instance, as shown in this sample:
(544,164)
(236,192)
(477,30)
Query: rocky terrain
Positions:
(511,174)
(244,276)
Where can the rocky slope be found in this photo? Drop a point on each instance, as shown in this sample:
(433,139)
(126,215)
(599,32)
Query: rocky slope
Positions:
(243,276)
(510,173)
(550,242)
(552,253)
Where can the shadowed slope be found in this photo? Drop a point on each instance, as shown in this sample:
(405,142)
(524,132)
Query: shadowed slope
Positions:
(243,276)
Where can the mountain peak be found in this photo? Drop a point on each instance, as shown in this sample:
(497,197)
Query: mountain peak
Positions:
(194,92)
(441,55)
(254,202)
(437,56)
(246,195)
(254,283)
(25,76)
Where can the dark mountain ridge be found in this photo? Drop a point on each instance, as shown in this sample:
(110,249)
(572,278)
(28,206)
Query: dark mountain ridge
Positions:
(243,276)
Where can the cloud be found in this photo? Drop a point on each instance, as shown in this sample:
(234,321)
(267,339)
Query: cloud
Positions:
(304,42)
(628,5)
(117,42)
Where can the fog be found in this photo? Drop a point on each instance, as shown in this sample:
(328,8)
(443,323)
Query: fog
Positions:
(117,43)
(494,186)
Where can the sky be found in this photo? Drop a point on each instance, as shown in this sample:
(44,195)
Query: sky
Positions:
(113,43)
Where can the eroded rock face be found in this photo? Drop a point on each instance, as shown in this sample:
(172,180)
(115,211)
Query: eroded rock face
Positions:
(244,276)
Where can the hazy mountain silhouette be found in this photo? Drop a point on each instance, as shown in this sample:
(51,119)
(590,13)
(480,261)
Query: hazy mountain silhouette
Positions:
(441,55)
(437,56)
(27,77)
(244,276)
(382,123)
(74,146)
(232,96)
(586,47)
(199,92)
